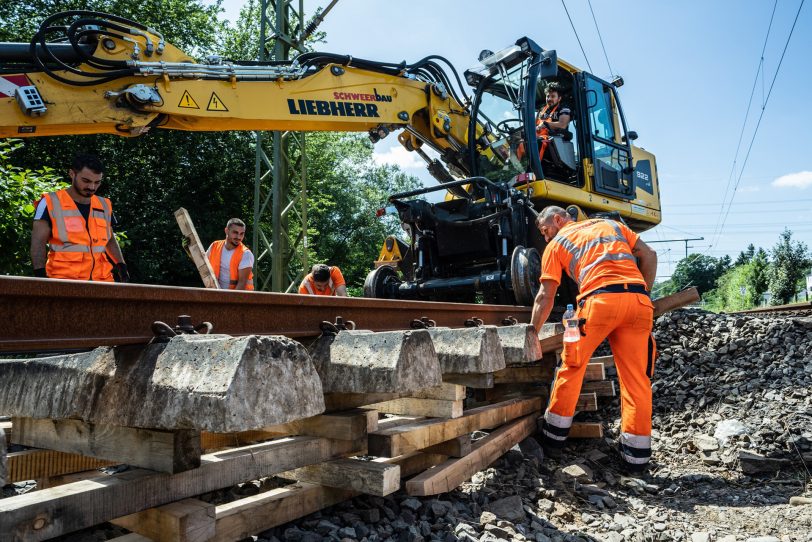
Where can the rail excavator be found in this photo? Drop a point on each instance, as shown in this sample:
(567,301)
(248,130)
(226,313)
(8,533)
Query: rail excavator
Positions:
(88,73)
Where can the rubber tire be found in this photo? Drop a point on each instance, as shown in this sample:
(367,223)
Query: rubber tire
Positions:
(525,270)
(375,283)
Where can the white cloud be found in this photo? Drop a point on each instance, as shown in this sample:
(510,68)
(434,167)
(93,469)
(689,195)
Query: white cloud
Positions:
(802,179)
(399,156)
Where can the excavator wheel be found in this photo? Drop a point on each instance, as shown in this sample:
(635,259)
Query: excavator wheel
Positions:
(377,280)
(525,269)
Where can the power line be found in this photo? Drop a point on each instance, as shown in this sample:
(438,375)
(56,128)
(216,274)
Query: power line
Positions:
(761,115)
(746,115)
(611,71)
(576,36)
(742,203)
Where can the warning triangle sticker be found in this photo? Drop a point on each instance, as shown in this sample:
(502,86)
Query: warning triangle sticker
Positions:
(187,101)
(216,104)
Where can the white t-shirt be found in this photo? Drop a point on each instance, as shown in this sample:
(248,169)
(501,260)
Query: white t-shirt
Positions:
(225,265)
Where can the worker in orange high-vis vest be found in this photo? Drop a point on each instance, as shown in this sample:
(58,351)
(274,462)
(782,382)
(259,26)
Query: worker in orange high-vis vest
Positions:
(551,120)
(324,280)
(231,260)
(614,270)
(72,235)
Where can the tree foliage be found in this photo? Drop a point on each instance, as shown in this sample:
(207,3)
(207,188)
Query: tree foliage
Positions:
(210,174)
(20,188)
(699,270)
(791,261)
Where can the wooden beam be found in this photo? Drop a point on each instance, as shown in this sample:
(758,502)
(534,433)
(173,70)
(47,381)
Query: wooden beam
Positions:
(447,391)
(366,477)
(675,301)
(344,401)
(42,464)
(246,517)
(422,434)
(130,537)
(452,473)
(471,380)
(524,375)
(188,520)
(211,442)
(552,343)
(434,408)
(601,388)
(346,425)
(595,371)
(394,421)
(52,512)
(587,402)
(162,451)
(196,250)
(608,361)
(456,447)
(586,430)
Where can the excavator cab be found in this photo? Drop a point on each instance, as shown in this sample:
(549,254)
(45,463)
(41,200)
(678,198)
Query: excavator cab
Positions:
(481,241)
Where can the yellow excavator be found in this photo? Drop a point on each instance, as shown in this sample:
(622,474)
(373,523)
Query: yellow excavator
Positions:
(87,72)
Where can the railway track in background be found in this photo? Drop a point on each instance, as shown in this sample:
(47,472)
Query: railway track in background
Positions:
(793,309)
(43,314)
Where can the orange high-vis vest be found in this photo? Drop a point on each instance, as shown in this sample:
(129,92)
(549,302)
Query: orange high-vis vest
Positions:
(77,247)
(595,253)
(308,285)
(233,266)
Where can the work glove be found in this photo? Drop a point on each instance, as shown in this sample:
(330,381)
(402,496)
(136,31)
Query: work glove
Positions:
(40,273)
(185,244)
(122,275)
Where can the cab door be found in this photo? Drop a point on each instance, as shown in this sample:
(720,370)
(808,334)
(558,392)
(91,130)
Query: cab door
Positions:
(606,140)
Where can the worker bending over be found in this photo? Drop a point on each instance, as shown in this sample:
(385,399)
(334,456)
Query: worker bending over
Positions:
(231,260)
(324,280)
(615,271)
(75,227)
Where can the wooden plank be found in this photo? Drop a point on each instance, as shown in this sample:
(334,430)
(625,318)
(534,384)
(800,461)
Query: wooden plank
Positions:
(188,520)
(344,401)
(595,371)
(472,380)
(394,421)
(130,537)
(162,451)
(422,434)
(414,462)
(587,402)
(366,477)
(211,442)
(81,504)
(435,408)
(346,425)
(43,464)
(447,391)
(524,375)
(456,447)
(608,361)
(601,388)
(586,430)
(452,473)
(196,249)
(675,301)
(552,343)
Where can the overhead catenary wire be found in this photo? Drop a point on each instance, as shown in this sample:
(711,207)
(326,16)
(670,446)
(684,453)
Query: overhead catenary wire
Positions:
(761,115)
(759,70)
(576,36)
(606,56)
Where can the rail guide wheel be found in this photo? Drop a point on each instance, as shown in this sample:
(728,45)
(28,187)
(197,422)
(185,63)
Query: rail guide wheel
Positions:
(525,269)
(381,282)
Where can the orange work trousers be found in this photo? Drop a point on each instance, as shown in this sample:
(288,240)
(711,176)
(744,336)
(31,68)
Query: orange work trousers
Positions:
(627,320)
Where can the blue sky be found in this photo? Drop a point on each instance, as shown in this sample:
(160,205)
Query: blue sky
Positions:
(689,68)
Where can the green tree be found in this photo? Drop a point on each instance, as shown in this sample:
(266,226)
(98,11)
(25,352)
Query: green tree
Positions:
(757,279)
(745,255)
(790,261)
(20,188)
(699,270)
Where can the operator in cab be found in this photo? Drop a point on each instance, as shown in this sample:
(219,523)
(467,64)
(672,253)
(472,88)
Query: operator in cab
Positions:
(324,280)
(552,119)
(74,228)
(614,270)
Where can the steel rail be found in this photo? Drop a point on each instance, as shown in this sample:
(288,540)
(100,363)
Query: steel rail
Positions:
(43,314)
(804,306)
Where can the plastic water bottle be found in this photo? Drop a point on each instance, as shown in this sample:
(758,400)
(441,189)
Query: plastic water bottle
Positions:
(571,332)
